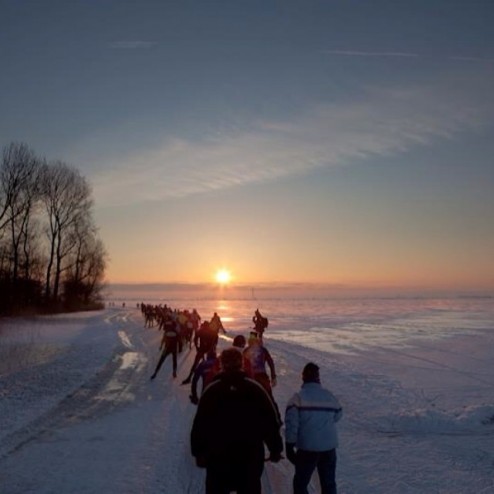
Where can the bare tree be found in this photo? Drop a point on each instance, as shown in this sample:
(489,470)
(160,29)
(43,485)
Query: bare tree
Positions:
(66,196)
(36,196)
(86,269)
(19,167)
(34,261)
(19,192)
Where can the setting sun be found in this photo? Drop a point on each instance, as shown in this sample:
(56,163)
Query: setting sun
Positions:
(223,276)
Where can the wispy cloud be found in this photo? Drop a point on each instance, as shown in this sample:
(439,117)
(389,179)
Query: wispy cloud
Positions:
(391,54)
(472,59)
(131,45)
(356,53)
(385,122)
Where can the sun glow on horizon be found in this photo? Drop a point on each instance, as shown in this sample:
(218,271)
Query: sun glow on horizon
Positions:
(223,276)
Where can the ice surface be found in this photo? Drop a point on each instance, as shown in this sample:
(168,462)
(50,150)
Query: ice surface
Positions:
(80,415)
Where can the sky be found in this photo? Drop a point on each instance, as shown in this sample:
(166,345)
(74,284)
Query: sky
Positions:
(339,142)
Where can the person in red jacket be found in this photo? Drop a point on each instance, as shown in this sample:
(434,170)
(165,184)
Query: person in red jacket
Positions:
(258,356)
(211,367)
(234,461)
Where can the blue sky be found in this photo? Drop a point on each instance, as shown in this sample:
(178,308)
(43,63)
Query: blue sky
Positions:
(326,141)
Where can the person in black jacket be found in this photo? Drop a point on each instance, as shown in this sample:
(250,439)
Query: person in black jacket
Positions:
(205,341)
(234,420)
(169,344)
(260,323)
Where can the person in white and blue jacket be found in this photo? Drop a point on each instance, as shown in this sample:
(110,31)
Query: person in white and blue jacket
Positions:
(311,438)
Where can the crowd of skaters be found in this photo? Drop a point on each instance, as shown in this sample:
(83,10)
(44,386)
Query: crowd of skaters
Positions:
(237,415)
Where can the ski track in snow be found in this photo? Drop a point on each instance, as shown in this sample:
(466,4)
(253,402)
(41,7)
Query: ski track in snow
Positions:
(86,419)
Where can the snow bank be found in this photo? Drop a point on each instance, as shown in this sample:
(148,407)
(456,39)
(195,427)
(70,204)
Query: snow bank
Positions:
(476,419)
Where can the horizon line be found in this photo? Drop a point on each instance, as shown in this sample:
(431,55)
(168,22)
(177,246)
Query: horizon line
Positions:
(207,285)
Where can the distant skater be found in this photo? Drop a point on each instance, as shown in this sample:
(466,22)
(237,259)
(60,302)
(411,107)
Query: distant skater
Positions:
(258,356)
(169,344)
(260,323)
(196,321)
(205,341)
(240,342)
(211,367)
(216,325)
(206,371)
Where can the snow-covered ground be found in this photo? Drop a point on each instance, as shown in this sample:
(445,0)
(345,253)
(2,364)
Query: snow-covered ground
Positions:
(78,413)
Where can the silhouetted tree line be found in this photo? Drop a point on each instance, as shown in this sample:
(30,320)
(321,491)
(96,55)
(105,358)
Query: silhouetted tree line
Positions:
(51,258)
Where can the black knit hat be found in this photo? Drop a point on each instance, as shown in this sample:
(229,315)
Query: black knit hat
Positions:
(231,359)
(310,373)
(239,341)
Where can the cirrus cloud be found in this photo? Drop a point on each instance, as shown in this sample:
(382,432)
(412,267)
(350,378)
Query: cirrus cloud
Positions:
(383,122)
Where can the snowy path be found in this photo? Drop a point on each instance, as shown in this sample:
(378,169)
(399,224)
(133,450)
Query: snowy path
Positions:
(81,415)
(116,433)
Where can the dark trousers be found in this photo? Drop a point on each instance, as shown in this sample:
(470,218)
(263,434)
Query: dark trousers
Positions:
(171,347)
(199,356)
(243,478)
(305,464)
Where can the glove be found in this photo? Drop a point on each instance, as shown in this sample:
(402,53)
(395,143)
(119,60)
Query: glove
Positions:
(275,457)
(273,381)
(290,452)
